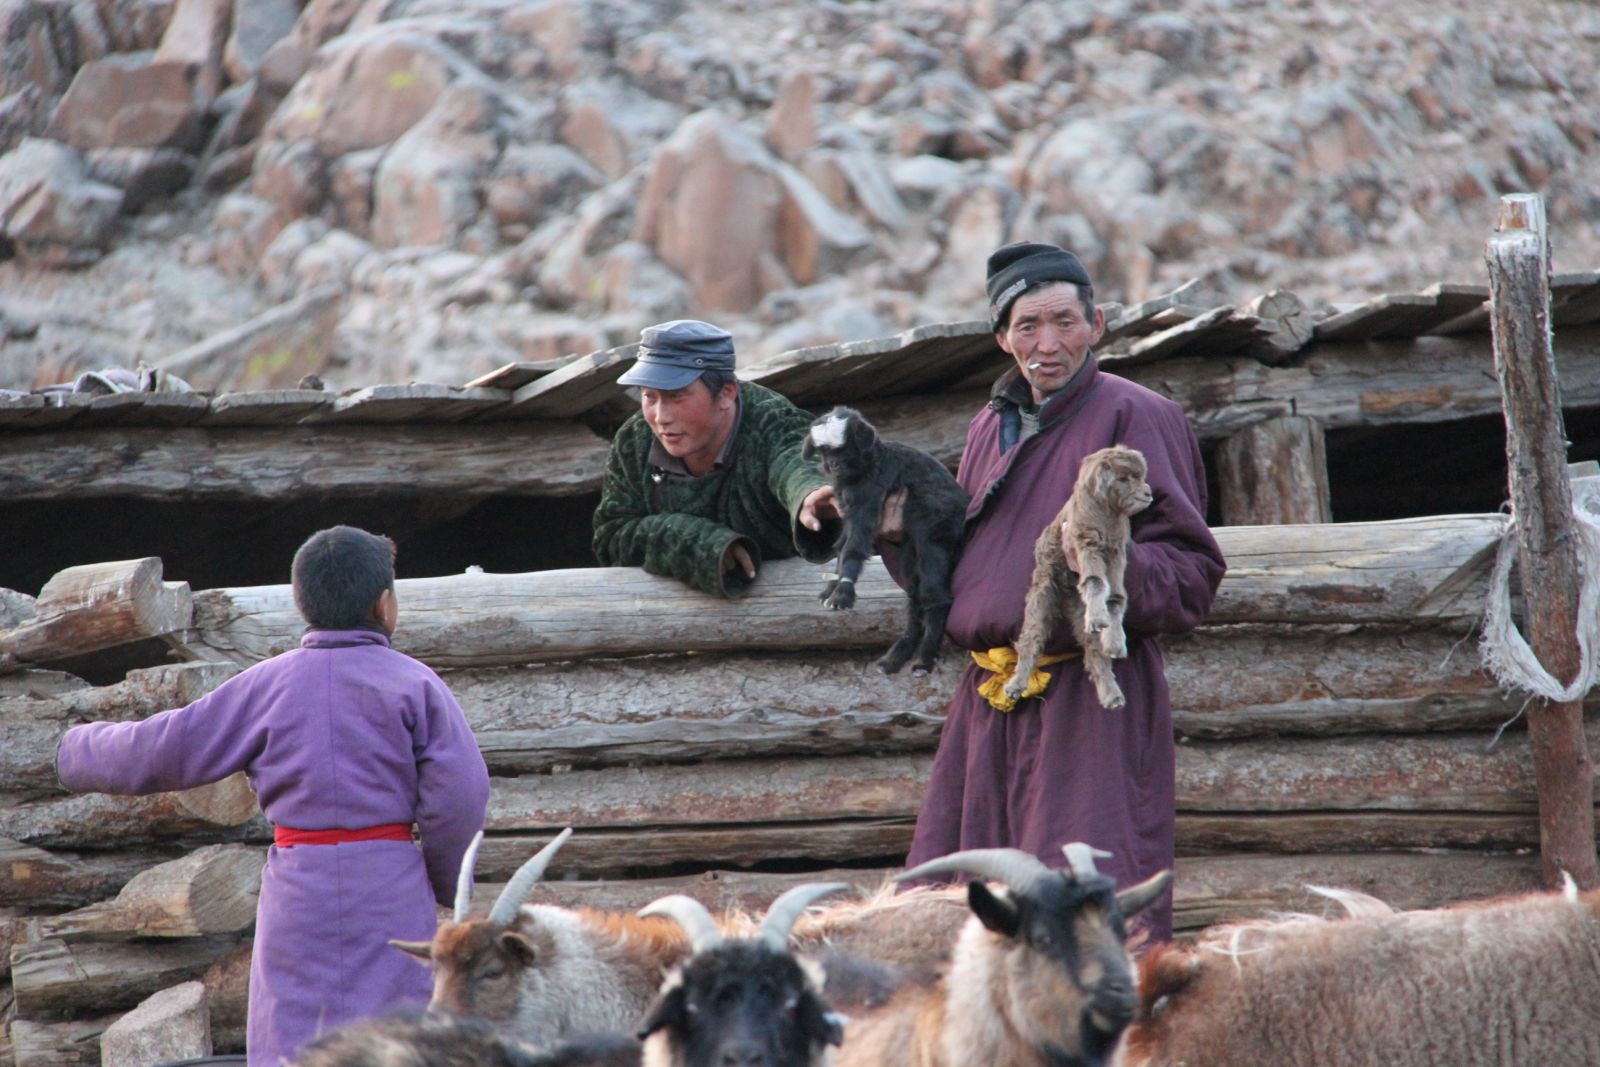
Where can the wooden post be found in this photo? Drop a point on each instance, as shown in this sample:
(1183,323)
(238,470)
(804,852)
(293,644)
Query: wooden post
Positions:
(1536,449)
(1274,473)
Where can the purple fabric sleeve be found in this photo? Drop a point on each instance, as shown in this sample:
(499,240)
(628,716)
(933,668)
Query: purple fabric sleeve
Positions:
(452,788)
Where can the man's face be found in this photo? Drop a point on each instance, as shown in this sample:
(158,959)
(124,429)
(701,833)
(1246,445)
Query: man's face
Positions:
(1048,328)
(691,423)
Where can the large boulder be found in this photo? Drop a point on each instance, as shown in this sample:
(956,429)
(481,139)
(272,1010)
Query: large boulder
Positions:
(51,210)
(134,100)
(710,209)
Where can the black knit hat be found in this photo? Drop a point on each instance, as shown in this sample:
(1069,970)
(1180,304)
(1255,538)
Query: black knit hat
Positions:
(1022,265)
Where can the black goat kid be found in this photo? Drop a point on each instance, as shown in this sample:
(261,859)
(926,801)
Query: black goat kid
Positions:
(865,471)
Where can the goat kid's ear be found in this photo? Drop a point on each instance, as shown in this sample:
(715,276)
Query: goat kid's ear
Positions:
(997,913)
(669,1010)
(519,947)
(1136,898)
(422,950)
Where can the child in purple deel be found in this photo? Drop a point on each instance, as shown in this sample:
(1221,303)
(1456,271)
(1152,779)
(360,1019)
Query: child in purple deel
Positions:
(348,744)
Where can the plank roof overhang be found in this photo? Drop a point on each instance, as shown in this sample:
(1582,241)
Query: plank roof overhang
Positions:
(1408,358)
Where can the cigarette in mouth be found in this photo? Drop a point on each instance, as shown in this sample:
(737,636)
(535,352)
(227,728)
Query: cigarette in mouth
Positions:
(1035,366)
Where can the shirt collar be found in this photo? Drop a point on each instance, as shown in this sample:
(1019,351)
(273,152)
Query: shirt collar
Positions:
(1011,389)
(361,635)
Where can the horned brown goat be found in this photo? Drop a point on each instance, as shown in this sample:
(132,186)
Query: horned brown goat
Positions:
(543,972)
(1512,981)
(1040,977)
(1096,521)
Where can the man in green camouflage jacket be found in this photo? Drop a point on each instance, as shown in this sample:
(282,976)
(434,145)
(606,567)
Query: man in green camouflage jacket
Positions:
(707,480)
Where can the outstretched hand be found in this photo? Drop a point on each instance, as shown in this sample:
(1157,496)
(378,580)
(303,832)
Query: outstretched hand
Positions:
(819,506)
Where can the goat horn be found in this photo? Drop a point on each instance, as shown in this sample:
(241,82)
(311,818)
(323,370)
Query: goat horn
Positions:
(1020,870)
(690,914)
(1081,857)
(469,861)
(522,883)
(787,909)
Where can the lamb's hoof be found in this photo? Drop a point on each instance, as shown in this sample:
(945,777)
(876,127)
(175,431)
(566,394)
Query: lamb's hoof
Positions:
(922,670)
(1014,692)
(1113,701)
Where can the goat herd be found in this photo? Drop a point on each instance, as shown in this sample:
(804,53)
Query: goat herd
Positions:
(1025,967)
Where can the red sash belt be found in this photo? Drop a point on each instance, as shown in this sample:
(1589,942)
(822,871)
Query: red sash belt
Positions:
(284,837)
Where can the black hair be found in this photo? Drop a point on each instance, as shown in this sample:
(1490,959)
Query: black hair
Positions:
(338,575)
(1085,297)
(716,379)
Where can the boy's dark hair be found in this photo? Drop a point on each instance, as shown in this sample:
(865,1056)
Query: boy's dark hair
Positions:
(338,575)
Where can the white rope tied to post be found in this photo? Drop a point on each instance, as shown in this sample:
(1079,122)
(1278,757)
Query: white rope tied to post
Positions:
(1504,651)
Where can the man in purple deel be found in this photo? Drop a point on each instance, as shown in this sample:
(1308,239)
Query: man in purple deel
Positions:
(348,744)
(1059,767)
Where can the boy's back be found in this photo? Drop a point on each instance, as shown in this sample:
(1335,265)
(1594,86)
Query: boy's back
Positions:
(351,741)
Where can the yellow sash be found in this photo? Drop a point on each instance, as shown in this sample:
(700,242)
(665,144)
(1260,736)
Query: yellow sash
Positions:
(1002,663)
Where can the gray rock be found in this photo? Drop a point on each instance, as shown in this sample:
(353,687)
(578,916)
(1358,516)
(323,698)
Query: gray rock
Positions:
(52,211)
(170,1025)
(257,26)
(134,101)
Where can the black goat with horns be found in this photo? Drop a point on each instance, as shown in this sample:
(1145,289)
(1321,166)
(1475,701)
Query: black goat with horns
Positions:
(865,471)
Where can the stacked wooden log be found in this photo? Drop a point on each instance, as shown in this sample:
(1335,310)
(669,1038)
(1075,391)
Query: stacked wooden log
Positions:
(1335,730)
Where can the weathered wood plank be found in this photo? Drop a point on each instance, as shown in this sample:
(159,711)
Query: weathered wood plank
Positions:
(212,890)
(613,854)
(222,811)
(924,357)
(1274,473)
(486,619)
(1139,319)
(55,979)
(405,403)
(99,605)
(536,717)
(1381,317)
(1218,331)
(1547,533)
(42,880)
(1363,831)
(572,389)
(286,463)
(266,407)
(513,376)
(74,1043)
(721,792)
(1430,568)
(1432,772)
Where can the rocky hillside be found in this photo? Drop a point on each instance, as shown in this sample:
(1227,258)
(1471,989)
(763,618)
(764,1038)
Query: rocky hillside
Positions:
(393,190)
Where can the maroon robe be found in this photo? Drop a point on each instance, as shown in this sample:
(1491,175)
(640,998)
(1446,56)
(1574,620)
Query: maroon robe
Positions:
(1059,767)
